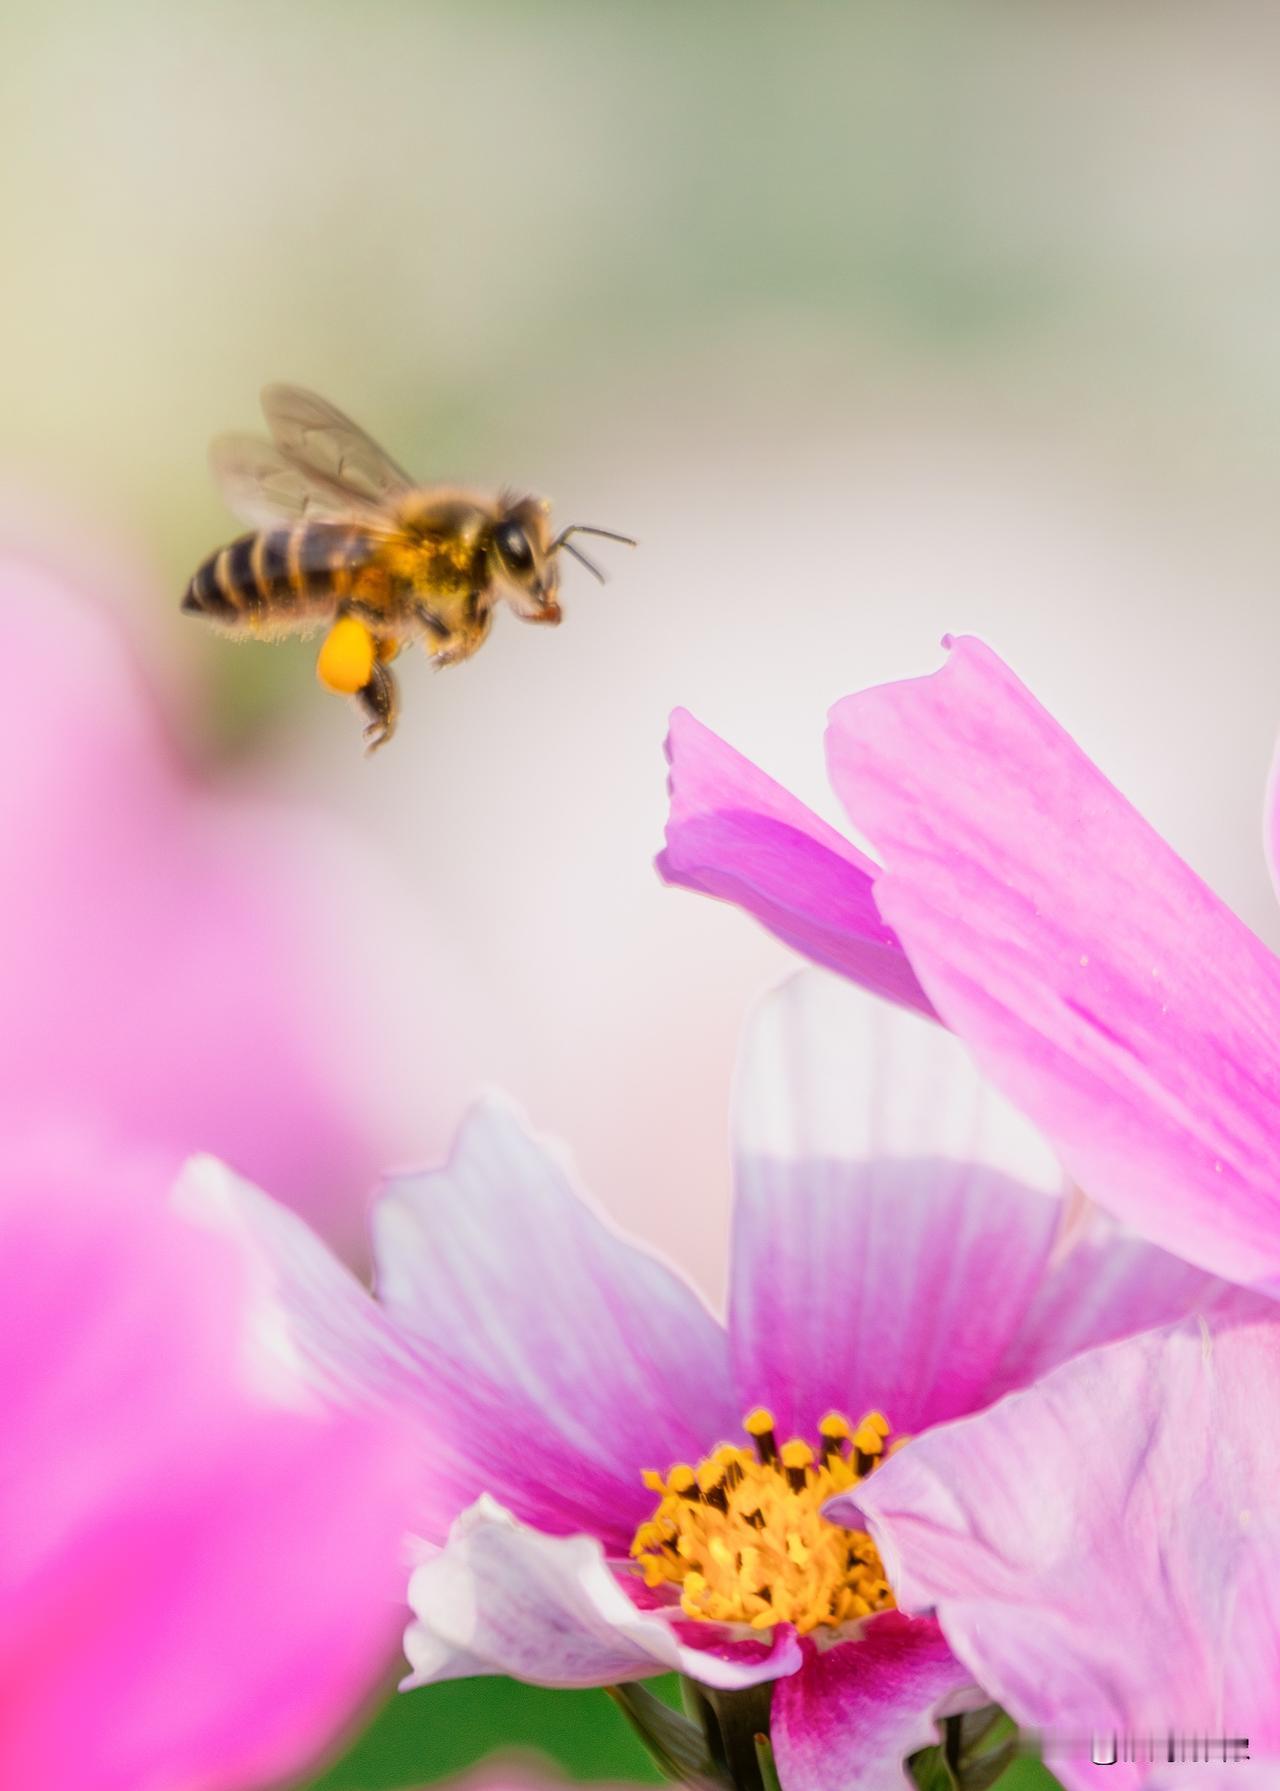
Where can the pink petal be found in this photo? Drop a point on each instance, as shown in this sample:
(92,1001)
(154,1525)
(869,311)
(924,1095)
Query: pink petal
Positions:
(541,1357)
(736,834)
(195,967)
(197,1584)
(1100,984)
(1107,1286)
(850,1717)
(504,1276)
(503,1598)
(312,1319)
(1104,1549)
(893,1218)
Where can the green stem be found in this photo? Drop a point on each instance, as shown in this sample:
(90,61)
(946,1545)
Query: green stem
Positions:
(766,1764)
(677,1747)
(743,1720)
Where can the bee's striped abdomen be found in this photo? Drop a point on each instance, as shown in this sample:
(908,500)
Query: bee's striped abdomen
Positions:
(211,592)
(279,575)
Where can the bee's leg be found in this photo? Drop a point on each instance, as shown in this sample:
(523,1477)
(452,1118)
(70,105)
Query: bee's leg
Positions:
(353,662)
(466,639)
(434,633)
(379,700)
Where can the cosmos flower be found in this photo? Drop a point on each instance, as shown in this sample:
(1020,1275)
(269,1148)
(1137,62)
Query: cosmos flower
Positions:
(1021,899)
(1103,1550)
(612,1483)
(187,969)
(197,1574)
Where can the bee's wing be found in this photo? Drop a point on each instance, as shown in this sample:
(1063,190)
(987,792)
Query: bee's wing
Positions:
(261,487)
(316,436)
(264,487)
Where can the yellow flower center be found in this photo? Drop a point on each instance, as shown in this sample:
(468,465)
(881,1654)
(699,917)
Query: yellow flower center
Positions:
(743,1536)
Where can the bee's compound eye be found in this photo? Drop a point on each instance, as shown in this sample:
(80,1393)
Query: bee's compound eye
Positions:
(513,548)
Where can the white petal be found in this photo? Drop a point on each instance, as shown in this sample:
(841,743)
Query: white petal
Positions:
(504,1598)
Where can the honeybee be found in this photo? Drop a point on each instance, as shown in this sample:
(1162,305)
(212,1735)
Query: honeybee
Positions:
(343,536)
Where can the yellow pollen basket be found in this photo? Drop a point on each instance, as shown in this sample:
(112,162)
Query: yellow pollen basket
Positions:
(743,1537)
(346,658)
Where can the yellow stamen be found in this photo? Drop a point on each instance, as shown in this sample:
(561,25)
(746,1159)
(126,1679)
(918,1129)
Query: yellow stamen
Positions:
(759,1427)
(743,1540)
(834,1429)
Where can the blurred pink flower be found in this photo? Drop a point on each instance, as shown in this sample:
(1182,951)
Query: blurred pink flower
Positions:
(197,1583)
(1097,980)
(518,1770)
(893,1251)
(183,969)
(1103,1550)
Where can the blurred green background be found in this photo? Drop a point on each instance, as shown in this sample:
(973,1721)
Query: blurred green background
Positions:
(453,1727)
(870,321)
(447,1729)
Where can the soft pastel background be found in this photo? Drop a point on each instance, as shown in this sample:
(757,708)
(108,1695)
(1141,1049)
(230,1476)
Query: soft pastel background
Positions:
(870,323)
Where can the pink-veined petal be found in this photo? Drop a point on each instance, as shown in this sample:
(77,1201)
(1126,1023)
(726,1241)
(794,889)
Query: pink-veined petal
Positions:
(503,1598)
(543,1358)
(1103,1549)
(736,834)
(315,1322)
(849,1718)
(1106,1286)
(501,1273)
(893,1219)
(1097,979)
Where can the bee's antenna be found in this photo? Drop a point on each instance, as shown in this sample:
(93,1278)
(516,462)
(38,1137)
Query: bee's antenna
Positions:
(581,558)
(586,528)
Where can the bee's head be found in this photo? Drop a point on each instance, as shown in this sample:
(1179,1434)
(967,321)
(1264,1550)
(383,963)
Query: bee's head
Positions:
(525,559)
(524,562)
